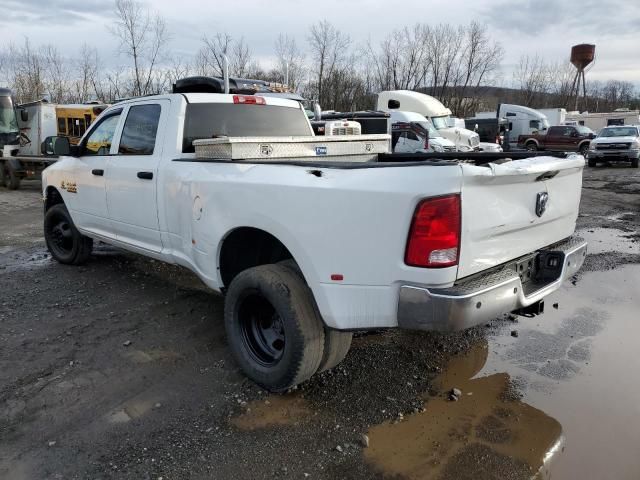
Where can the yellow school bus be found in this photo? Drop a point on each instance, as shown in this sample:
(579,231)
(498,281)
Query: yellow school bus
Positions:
(73,120)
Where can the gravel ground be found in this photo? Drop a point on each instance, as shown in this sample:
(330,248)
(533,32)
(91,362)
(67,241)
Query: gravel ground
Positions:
(120,369)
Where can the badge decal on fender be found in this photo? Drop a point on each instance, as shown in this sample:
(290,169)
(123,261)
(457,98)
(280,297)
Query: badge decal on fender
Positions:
(541,203)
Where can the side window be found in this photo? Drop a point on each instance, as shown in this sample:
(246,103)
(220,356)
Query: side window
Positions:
(412,136)
(568,131)
(99,141)
(139,132)
(62,126)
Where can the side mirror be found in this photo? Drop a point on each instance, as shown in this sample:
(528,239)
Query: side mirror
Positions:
(317,111)
(575,134)
(55,146)
(393,104)
(24,115)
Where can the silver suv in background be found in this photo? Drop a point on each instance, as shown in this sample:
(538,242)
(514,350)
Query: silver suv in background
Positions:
(615,143)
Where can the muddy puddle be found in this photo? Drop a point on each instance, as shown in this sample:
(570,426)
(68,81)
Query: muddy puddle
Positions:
(557,399)
(486,421)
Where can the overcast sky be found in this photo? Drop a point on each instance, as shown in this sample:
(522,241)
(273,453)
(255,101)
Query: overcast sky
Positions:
(545,27)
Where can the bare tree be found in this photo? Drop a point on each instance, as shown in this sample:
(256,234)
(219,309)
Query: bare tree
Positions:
(531,77)
(142,38)
(290,61)
(210,57)
(26,72)
(87,83)
(479,59)
(57,72)
(329,49)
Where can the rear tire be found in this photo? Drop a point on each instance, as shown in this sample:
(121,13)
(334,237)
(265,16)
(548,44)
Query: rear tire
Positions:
(336,343)
(65,243)
(531,147)
(336,347)
(273,327)
(634,163)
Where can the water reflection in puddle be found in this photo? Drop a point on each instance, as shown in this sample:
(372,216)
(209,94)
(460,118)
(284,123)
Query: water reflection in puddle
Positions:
(487,430)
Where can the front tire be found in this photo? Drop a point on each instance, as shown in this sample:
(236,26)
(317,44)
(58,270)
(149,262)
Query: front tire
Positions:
(65,243)
(634,162)
(531,147)
(584,149)
(592,162)
(273,327)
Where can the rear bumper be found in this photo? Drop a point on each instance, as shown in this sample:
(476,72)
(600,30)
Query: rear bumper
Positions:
(482,298)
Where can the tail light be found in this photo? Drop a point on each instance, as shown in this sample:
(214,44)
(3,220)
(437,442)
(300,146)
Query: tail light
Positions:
(434,237)
(426,142)
(249,100)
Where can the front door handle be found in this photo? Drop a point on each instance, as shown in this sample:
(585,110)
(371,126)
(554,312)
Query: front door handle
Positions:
(145,175)
(98,172)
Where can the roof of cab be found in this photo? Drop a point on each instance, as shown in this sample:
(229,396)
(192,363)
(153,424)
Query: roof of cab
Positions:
(228,98)
(210,98)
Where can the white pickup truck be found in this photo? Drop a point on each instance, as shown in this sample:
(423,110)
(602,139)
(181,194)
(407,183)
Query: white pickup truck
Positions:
(305,249)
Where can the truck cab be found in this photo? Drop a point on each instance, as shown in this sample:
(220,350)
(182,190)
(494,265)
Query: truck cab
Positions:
(9,131)
(413,133)
(562,138)
(521,121)
(432,109)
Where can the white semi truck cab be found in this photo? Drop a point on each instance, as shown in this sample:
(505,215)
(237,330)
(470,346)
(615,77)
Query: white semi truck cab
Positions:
(521,121)
(439,115)
(413,133)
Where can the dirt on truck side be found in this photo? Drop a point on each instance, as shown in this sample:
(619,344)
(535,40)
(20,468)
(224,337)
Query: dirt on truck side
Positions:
(120,369)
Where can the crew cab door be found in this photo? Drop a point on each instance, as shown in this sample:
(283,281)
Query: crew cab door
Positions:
(132,176)
(86,188)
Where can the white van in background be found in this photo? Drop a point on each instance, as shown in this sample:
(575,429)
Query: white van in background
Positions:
(522,121)
(439,115)
(409,134)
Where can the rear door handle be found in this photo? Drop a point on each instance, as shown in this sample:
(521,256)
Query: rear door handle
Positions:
(98,172)
(145,175)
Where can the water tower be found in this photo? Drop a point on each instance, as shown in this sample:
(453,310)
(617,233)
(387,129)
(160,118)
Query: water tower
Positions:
(581,56)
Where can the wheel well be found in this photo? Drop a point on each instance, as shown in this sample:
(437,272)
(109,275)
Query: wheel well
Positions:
(53,197)
(529,142)
(248,247)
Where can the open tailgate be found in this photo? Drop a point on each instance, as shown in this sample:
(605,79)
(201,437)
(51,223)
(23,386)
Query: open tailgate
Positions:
(504,212)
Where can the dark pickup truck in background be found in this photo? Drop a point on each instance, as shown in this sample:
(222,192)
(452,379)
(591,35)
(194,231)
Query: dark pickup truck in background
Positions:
(560,138)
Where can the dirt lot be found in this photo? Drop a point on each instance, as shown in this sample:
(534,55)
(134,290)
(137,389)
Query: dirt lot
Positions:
(119,369)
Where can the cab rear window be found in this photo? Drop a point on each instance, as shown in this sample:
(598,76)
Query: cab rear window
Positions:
(211,120)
